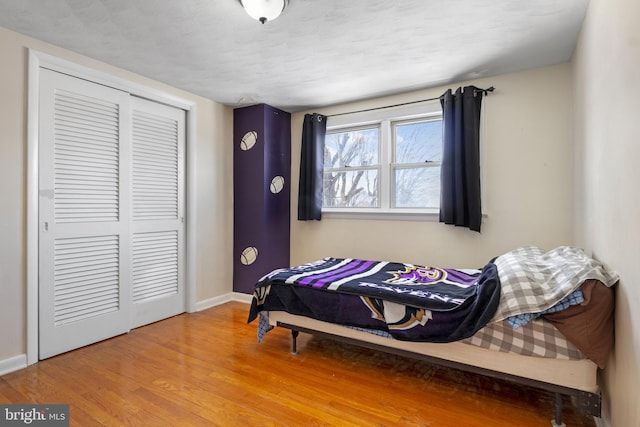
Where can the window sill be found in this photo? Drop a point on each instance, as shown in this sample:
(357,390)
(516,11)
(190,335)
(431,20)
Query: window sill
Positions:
(432,215)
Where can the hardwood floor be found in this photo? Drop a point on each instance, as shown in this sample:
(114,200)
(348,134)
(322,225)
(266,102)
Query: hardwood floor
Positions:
(206,369)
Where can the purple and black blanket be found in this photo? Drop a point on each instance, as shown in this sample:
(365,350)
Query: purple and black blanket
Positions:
(410,302)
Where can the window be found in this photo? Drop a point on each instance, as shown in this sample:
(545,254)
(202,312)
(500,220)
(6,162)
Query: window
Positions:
(417,153)
(352,168)
(390,165)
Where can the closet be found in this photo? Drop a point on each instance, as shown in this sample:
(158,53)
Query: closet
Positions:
(111,212)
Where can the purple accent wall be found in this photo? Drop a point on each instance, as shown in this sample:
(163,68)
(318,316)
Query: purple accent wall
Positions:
(261,217)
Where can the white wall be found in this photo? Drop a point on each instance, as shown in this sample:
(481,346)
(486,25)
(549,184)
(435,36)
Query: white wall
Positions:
(606,74)
(527,181)
(213,186)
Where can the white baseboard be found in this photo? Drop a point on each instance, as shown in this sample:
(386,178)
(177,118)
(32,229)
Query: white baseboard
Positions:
(13,364)
(246,298)
(212,302)
(232,296)
(599,422)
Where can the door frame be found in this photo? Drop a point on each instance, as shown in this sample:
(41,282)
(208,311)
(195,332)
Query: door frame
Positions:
(38,60)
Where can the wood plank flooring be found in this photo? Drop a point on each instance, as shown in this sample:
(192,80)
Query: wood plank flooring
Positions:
(206,369)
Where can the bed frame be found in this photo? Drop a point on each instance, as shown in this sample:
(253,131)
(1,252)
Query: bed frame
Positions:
(575,378)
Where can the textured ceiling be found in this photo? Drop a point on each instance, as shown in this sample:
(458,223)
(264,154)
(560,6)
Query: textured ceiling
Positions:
(318,52)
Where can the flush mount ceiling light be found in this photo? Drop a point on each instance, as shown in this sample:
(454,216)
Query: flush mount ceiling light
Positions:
(264,10)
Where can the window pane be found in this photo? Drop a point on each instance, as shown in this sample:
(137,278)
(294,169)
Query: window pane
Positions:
(418,142)
(417,187)
(358,147)
(348,189)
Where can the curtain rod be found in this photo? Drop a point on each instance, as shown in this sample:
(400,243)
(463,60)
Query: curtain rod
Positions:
(489,89)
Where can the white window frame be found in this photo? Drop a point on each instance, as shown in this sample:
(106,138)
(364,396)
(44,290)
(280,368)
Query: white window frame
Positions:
(395,166)
(385,118)
(375,167)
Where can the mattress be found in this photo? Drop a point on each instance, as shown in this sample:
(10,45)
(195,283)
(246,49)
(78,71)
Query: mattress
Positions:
(538,338)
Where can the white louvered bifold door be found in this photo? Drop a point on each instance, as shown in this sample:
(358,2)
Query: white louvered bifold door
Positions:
(157,186)
(111,212)
(84,244)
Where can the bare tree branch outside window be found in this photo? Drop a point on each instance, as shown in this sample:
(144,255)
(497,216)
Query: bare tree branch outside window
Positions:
(353,166)
(418,153)
(352,182)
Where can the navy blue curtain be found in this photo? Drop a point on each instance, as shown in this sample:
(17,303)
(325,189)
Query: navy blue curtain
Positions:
(460,202)
(314,130)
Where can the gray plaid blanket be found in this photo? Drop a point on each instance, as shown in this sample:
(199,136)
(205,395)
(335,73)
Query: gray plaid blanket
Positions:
(533,280)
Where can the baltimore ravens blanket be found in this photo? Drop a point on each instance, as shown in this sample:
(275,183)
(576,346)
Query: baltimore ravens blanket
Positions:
(411,302)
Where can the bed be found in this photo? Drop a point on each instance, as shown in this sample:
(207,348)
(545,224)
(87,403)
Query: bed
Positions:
(544,319)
